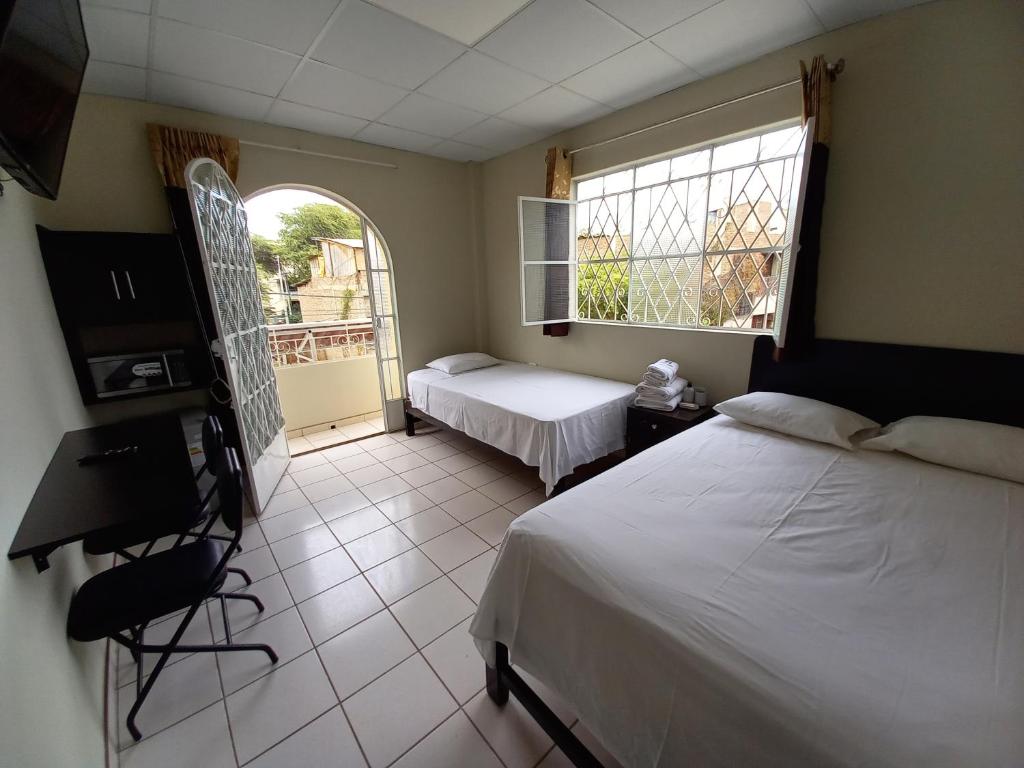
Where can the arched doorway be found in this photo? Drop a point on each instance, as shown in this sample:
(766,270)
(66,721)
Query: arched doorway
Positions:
(329,297)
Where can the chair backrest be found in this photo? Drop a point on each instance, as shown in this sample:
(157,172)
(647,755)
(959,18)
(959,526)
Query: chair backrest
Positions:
(229,489)
(213,442)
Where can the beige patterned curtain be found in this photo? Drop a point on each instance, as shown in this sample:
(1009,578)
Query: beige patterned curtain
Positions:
(817,95)
(174,148)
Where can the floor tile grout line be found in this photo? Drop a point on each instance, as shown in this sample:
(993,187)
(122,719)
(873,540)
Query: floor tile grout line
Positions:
(223,694)
(278,743)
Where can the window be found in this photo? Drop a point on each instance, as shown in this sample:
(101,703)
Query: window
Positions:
(701,239)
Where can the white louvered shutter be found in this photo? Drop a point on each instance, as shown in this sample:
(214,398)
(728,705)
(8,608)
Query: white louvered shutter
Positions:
(547,256)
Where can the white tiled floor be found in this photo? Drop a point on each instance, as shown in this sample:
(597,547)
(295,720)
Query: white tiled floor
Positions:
(377,555)
(329,437)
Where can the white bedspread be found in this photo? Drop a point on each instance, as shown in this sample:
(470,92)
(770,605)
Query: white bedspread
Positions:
(549,419)
(735,597)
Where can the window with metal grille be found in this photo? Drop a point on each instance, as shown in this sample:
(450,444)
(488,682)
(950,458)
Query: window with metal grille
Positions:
(700,239)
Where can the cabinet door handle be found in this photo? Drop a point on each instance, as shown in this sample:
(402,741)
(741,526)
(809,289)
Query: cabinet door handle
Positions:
(113,279)
(131,288)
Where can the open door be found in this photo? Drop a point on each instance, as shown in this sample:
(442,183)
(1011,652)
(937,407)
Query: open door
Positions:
(242,344)
(385,327)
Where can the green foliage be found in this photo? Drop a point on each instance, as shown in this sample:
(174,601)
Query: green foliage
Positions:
(298,228)
(294,246)
(265,252)
(602,291)
(346,303)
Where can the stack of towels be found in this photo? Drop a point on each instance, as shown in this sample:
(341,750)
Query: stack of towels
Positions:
(661,389)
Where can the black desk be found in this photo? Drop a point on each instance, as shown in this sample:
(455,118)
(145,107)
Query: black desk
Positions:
(73,501)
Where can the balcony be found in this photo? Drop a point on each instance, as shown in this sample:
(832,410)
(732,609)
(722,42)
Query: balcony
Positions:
(328,381)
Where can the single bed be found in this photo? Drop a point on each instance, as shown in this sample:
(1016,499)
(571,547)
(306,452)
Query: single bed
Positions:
(554,420)
(734,596)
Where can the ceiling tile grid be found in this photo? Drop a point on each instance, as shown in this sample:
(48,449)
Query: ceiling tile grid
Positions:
(459,79)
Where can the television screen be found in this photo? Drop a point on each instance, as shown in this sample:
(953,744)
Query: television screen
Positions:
(43,53)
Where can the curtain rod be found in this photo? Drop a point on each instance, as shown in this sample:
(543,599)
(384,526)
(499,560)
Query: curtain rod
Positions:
(833,70)
(344,158)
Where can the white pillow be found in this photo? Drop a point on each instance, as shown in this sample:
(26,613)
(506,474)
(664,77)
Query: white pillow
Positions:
(467,361)
(976,446)
(797,416)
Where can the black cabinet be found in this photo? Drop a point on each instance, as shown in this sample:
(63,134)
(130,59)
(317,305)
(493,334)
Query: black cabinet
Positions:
(123,294)
(645,427)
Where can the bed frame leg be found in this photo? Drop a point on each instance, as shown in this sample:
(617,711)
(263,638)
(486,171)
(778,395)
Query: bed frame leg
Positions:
(497,688)
(410,424)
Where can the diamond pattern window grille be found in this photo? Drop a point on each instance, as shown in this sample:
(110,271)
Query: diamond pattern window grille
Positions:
(690,241)
(221,223)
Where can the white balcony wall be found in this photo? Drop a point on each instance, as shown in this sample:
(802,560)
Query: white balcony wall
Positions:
(328,391)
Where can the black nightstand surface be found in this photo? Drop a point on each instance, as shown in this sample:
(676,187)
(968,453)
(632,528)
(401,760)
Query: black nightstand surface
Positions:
(645,427)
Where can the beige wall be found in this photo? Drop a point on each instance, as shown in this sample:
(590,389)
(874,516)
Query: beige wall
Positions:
(923,226)
(51,709)
(322,392)
(421,208)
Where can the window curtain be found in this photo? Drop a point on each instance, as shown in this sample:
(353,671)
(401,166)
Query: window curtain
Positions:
(817,103)
(558,186)
(174,148)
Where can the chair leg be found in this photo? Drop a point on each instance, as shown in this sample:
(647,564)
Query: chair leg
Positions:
(237,596)
(241,572)
(144,690)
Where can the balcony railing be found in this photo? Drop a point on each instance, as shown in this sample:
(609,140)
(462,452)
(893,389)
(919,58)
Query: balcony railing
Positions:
(305,343)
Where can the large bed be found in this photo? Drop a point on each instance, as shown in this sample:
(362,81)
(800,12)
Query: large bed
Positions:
(550,419)
(735,596)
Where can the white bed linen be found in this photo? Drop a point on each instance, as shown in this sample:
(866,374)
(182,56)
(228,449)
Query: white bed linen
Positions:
(549,419)
(734,597)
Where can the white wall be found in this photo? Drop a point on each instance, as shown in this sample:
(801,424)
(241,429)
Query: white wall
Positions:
(51,708)
(330,391)
(922,222)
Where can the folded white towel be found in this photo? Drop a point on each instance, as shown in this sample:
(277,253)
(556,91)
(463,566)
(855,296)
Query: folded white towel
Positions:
(663,371)
(666,392)
(658,405)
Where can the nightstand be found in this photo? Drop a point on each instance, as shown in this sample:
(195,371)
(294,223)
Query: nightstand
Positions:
(645,428)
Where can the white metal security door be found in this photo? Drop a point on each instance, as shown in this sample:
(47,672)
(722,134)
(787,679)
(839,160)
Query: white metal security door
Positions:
(223,234)
(385,326)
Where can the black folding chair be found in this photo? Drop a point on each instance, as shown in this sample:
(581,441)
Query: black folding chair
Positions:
(126,598)
(118,540)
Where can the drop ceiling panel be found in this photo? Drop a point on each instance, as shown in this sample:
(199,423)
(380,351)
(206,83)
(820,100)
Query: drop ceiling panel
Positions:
(314,120)
(554,39)
(737,31)
(115,80)
(650,16)
(389,136)
(499,135)
(381,45)
(324,87)
(463,153)
(218,99)
(478,82)
(636,74)
(421,113)
(201,54)
(554,109)
(119,37)
(289,26)
(464,20)
(838,13)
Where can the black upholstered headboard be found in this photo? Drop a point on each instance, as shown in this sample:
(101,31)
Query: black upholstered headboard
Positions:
(886,382)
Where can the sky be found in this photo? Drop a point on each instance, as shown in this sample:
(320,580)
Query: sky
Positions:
(262,210)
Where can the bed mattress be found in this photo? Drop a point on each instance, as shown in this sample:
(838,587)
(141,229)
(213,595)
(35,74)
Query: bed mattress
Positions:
(549,419)
(733,596)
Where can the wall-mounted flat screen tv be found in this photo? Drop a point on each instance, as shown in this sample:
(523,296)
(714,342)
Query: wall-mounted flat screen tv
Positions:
(43,53)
